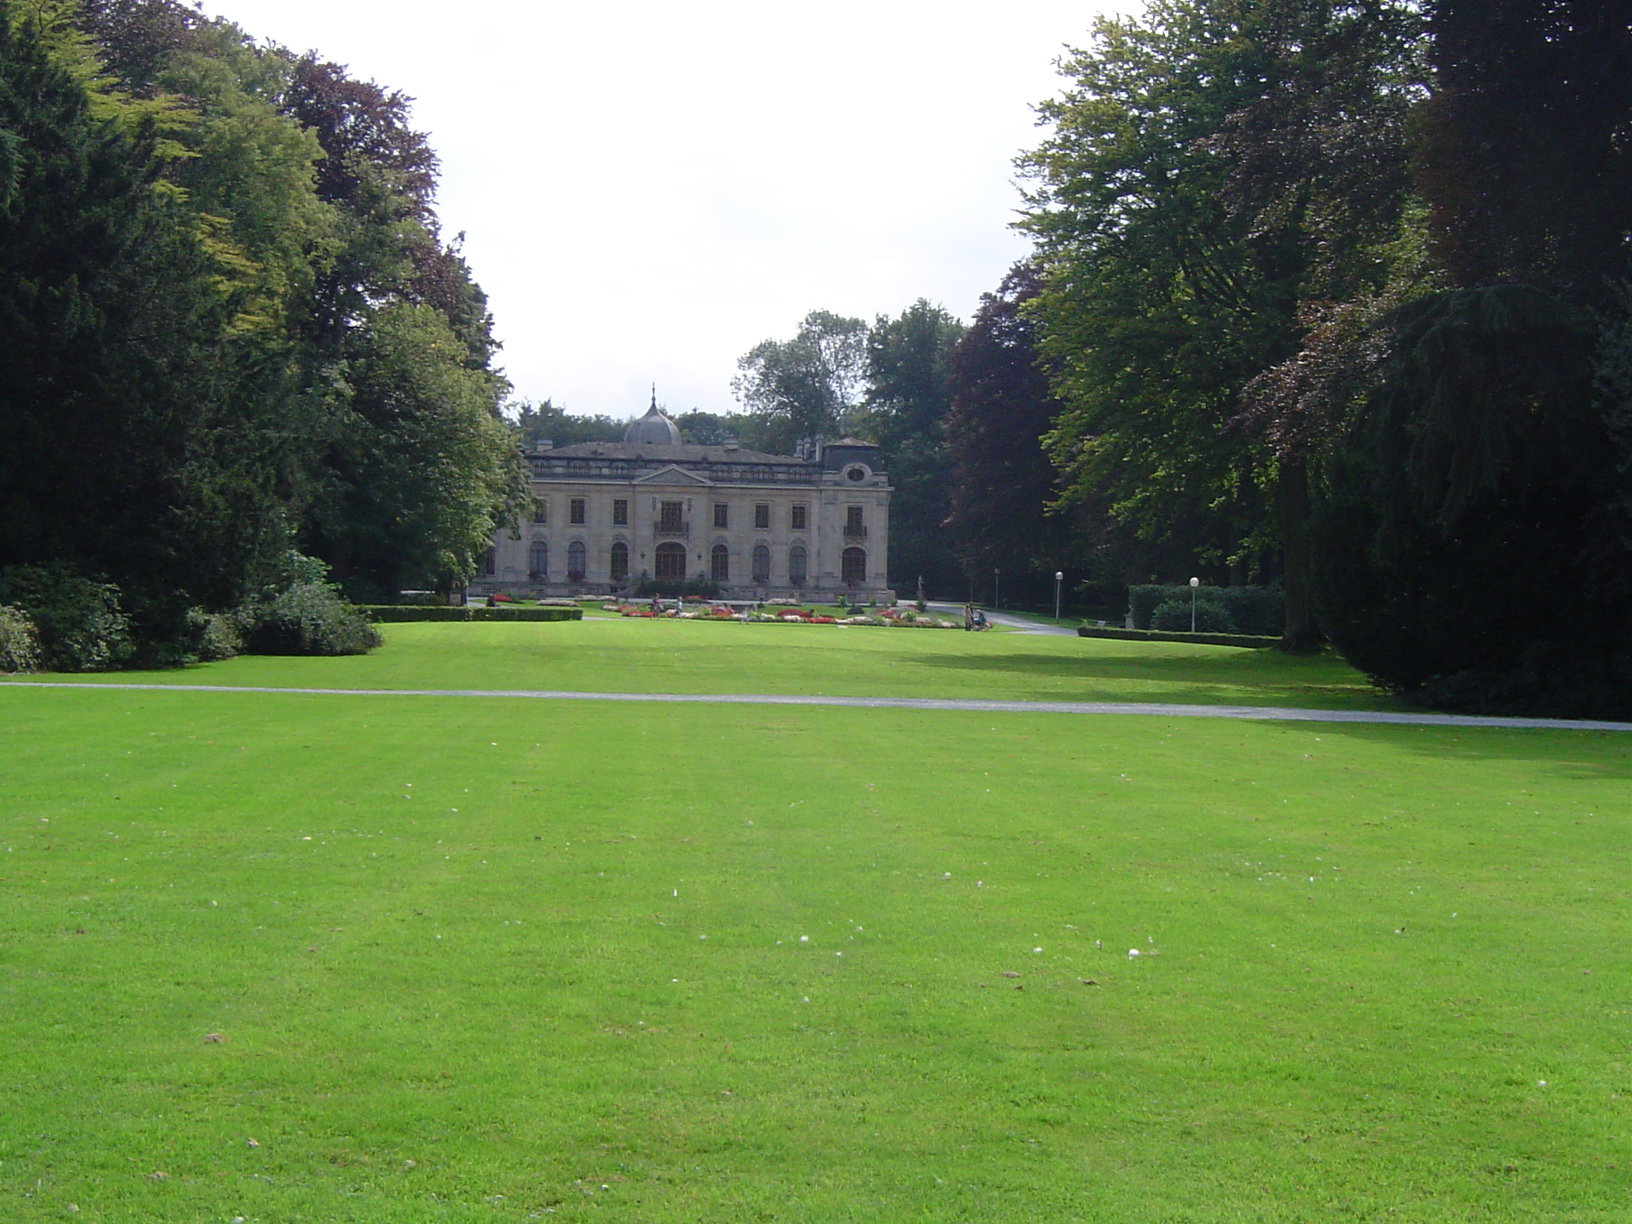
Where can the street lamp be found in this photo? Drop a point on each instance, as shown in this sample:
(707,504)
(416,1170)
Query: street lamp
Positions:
(1059,577)
(1194,583)
(994,587)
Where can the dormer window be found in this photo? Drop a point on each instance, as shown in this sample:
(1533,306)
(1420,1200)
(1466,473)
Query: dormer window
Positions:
(856,473)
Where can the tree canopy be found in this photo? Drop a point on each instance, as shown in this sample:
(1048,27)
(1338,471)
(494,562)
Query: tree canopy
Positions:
(227,319)
(1337,288)
(808,386)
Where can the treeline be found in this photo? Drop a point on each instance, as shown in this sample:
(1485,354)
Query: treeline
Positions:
(1340,291)
(230,327)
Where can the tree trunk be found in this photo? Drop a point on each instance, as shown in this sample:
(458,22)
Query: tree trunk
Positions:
(1301,633)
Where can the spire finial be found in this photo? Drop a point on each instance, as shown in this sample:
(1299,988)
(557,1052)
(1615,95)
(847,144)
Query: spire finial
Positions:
(654,397)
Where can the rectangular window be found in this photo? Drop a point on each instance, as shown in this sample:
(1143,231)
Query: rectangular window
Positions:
(762,516)
(668,517)
(620,512)
(798,518)
(852,522)
(541,512)
(722,515)
(577,515)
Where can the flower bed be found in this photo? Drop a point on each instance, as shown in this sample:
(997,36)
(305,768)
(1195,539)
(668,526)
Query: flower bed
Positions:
(780,616)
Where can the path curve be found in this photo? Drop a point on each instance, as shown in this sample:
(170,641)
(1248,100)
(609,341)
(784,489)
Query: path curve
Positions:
(973,705)
(1004,619)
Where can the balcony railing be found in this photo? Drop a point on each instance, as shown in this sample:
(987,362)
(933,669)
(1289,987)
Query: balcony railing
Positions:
(855,531)
(672,530)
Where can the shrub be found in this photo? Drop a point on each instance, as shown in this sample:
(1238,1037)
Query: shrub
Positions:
(80,624)
(308,618)
(1251,609)
(212,636)
(1211,616)
(19,641)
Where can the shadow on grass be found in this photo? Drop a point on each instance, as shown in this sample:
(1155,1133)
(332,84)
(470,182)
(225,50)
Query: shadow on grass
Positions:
(1250,677)
(1575,755)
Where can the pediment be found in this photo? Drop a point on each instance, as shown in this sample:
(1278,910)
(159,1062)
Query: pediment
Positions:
(670,474)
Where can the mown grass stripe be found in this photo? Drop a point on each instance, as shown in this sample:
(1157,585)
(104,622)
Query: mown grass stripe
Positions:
(1160,709)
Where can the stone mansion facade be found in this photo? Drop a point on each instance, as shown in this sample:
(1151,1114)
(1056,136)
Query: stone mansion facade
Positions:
(815,524)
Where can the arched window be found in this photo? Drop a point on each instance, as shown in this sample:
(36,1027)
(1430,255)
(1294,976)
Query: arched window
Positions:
(620,561)
(575,561)
(720,564)
(538,561)
(853,567)
(796,565)
(762,564)
(671,560)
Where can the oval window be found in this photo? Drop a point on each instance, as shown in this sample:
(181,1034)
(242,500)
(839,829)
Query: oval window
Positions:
(857,473)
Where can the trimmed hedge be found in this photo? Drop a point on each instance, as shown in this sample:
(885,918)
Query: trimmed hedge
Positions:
(394,614)
(1251,640)
(1255,611)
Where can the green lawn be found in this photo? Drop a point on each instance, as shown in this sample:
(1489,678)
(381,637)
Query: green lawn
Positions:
(617,656)
(510,960)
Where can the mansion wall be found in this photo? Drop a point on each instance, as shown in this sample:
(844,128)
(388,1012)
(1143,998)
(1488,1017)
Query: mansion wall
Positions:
(813,524)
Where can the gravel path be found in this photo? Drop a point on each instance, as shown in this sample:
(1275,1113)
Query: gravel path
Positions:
(1159,709)
(1001,618)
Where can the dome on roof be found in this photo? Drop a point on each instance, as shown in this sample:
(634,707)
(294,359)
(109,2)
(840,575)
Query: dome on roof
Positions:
(653,429)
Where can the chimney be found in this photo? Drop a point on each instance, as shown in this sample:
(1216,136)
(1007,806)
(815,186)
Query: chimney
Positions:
(730,442)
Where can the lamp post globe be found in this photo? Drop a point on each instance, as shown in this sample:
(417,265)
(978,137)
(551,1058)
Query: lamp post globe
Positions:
(1059,577)
(1194,584)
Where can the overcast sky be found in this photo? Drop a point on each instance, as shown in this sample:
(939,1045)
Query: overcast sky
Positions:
(649,188)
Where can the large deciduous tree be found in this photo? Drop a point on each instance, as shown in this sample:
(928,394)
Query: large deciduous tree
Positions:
(1219,171)
(908,398)
(808,386)
(420,467)
(1159,301)
(1001,479)
(126,402)
(227,309)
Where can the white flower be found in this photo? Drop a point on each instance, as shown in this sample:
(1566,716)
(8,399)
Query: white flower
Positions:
(1132,952)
